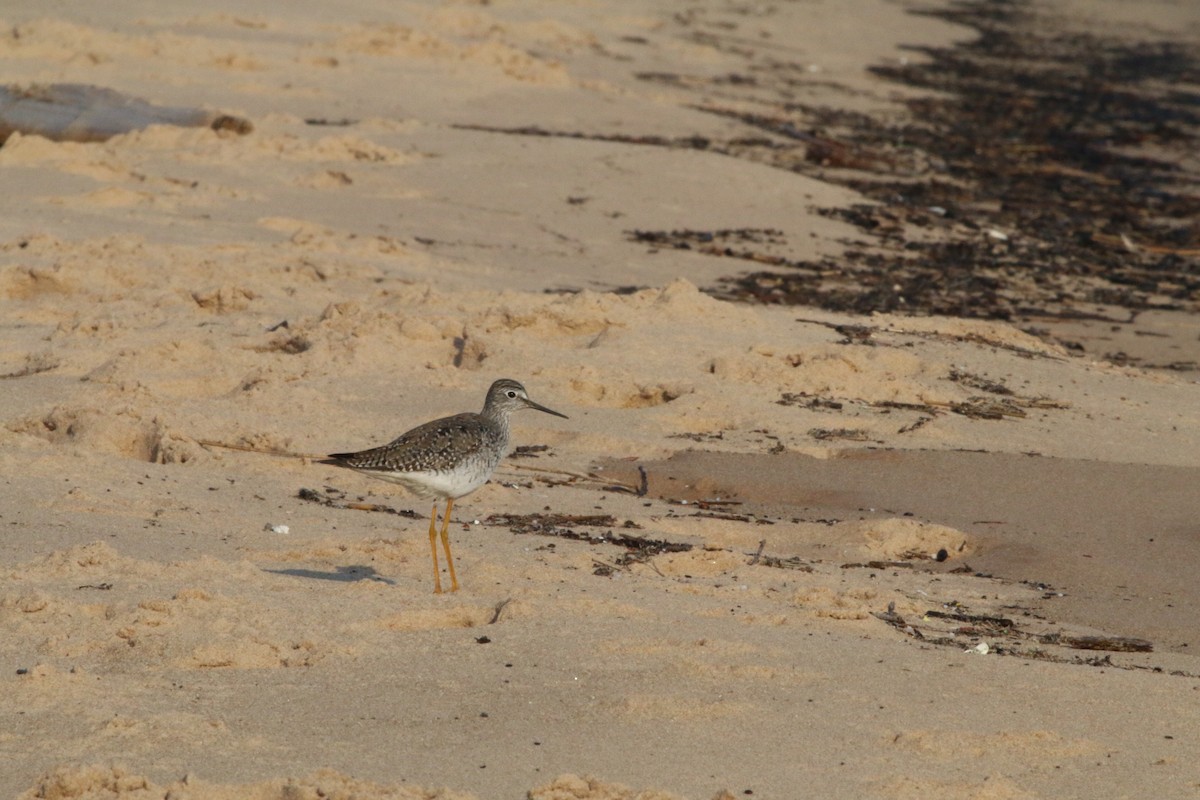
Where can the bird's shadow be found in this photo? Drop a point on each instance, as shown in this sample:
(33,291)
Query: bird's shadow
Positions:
(350,572)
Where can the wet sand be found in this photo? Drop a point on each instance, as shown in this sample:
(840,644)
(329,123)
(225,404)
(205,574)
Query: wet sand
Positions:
(1113,543)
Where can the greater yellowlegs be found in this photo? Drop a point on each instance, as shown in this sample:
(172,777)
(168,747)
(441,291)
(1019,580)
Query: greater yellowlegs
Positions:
(446,459)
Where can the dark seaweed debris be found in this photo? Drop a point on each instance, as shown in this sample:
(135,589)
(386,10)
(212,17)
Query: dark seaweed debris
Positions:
(1050,164)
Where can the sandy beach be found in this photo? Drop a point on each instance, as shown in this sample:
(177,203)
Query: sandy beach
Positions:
(776,551)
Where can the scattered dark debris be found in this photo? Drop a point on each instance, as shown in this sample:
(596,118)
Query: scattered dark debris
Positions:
(852,334)
(978,382)
(985,408)
(856,334)
(1012,407)
(1005,636)
(1123,359)
(975,338)
(975,407)
(537,523)
(31,368)
(639,549)
(676,142)
(880,565)
(809,401)
(705,505)
(1077,123)
(850,434)
(103,587)
(716,436)
(1117,644)
(617,290)
(974,619)
(528,450)
(1052,166)
(792,562)
(919,555)
(336,498)
(920,423)
(713,242)
(896,621)
(862,283)
(636,555)
(733,517)
(344,122)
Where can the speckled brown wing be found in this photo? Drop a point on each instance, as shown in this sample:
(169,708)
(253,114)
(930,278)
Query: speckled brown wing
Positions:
(447,457)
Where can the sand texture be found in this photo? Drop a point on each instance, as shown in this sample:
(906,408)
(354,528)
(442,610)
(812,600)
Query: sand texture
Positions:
(774,552)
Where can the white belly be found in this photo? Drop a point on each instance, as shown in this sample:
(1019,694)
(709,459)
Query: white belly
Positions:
(431,485)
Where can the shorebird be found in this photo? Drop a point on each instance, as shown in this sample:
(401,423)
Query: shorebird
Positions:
(446,459)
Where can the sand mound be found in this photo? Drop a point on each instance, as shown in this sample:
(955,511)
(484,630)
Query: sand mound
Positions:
(94,782)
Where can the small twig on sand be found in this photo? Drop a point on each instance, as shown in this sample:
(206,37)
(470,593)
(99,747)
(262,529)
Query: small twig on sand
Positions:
(266,451)
(568,477)
(498,611)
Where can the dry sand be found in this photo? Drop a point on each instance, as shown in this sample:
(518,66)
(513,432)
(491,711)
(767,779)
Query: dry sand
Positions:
(159,638)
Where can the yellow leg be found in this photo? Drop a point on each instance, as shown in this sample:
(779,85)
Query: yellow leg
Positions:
(437,579)
(446,544)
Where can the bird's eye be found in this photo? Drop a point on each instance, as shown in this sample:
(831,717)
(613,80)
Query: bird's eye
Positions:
(511,393)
